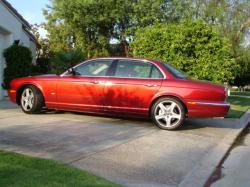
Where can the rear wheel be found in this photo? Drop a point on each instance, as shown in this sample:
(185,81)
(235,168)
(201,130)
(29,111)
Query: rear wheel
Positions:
(168,113)
(31,100)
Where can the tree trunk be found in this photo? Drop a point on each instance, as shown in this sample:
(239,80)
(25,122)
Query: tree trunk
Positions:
(124,44)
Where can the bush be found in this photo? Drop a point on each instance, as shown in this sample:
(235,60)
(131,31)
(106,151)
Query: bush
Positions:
(191,46)
(243,59)
(64,60)
(18,60)
(42,67)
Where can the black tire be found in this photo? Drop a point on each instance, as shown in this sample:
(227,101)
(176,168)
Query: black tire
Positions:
(37,101)
(177,116)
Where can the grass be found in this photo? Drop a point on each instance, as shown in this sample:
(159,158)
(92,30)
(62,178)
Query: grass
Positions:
(239,106)
(17,170)
(247,93)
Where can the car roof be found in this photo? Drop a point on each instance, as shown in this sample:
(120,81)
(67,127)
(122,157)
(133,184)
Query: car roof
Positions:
(125,58)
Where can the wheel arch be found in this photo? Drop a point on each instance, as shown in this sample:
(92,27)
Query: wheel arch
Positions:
(20,89)
(169,95)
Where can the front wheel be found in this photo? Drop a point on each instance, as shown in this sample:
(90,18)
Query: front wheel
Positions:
(168,113)
(31,100)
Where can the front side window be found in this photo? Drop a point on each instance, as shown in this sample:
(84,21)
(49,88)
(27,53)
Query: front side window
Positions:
(93,68)
(136,69)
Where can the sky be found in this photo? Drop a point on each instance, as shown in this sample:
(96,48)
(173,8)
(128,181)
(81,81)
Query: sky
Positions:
(31,10)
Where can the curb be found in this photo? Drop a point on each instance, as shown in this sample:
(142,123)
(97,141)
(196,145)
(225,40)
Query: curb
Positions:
(203,170)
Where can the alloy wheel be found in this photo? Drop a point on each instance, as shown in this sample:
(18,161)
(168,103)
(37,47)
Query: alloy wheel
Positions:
(27,99)
(168,113)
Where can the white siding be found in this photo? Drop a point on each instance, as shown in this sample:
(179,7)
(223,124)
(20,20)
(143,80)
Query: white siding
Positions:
(10,30)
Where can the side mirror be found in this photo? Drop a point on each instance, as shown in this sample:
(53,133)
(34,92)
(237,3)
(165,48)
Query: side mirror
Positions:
(71,71)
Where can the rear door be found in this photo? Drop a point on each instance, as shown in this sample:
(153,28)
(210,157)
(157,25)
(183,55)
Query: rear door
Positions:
(132,86)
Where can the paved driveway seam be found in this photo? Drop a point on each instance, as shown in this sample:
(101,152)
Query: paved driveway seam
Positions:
(117,145)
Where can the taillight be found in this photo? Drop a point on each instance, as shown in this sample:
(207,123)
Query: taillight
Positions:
(226,92)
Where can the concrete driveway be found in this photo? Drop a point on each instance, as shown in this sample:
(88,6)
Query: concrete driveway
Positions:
(128,152)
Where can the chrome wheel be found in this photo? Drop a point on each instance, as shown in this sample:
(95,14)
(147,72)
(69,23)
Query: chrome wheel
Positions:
(27,99)
(168,113)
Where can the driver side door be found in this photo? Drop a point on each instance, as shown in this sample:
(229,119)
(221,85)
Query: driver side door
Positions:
(84,91)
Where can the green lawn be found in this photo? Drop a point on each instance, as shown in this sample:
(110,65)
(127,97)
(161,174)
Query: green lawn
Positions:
(247,93)
(17,170)
(239,106)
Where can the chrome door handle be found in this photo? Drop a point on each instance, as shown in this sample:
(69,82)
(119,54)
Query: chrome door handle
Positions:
(151,85)
(94,82)
(98,82)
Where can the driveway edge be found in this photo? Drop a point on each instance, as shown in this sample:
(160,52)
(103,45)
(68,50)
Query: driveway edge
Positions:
(203,170)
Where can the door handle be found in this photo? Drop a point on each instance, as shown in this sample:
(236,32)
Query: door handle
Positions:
(151,85)
(98,82)
(94,82)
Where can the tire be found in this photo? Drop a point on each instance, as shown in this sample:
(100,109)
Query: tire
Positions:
(31,100)
(168,113)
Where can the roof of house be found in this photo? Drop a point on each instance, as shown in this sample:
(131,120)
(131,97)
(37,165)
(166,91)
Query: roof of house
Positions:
(25,24)
(15,12)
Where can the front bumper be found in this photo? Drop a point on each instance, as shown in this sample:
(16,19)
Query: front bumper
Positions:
(207,109)
(12,95)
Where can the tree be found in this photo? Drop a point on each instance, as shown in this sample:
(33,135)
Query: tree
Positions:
(64,60)
(91,24)
(43,51)
(243,77)
(192,46)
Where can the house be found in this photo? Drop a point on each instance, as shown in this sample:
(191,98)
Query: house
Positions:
(13,27)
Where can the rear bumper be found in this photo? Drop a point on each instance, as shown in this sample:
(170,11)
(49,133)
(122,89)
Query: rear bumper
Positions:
(207,109)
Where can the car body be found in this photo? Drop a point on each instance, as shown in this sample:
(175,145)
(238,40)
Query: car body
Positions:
(123,86)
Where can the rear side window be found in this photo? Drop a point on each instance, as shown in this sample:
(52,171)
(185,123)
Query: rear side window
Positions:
(175,72)
(156,74)
(136,69)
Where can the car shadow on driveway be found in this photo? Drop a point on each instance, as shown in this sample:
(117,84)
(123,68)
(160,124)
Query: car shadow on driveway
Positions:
(189,124)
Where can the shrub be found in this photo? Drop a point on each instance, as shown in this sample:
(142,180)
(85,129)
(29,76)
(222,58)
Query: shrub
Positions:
(42,67)
(18,63)
(64,60)
(191,46)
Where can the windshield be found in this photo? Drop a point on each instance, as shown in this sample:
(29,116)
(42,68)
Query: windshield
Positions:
(175,72)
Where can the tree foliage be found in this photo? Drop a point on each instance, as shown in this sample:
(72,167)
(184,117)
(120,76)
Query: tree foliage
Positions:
(18,63)
(64,60)
(91,24)
(243,77)
(44,49)
(192,46)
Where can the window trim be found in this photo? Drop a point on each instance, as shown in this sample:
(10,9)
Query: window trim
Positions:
(167,65)
(88,62)
(113,66)
(140,61)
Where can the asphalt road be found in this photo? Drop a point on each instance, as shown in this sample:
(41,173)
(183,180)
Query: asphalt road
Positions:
(126,151)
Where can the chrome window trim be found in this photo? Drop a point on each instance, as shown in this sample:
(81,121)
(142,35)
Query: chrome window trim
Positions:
(86,61)
(145,61)
(132,59)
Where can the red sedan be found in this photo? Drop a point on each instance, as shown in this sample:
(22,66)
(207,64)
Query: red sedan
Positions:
(123,86)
